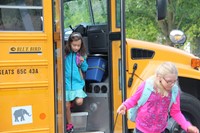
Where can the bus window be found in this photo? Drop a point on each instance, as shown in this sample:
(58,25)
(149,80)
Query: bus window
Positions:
(99,9)
(85,12)
(21,15)
(118,13)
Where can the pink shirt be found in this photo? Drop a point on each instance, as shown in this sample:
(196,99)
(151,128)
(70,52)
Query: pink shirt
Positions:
(153,115)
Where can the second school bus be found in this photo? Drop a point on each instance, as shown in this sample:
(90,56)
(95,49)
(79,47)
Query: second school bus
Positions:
(32,93)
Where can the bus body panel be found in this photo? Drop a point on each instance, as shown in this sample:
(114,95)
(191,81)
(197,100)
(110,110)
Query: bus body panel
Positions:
(27,72)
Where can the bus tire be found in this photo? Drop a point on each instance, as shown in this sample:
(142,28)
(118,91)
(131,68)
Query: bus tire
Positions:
(190,107)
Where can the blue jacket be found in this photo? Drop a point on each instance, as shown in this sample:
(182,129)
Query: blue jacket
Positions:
(73,79)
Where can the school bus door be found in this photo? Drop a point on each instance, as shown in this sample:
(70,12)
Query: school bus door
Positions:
(59,66)
(118,84)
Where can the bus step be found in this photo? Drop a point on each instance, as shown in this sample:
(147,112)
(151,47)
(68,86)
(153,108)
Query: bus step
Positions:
(79,119)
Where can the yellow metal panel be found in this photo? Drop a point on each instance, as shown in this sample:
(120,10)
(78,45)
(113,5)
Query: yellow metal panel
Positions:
(27,79)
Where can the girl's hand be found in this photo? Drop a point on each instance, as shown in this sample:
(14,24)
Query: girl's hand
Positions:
(193,129)
(121,109)
(81,59)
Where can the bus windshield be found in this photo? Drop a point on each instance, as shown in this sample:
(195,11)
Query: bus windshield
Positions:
(85,12)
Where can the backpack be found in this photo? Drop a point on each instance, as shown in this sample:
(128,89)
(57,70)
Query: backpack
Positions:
(132,113)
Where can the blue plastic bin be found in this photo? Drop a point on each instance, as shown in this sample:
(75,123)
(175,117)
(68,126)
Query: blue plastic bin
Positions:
(96,69)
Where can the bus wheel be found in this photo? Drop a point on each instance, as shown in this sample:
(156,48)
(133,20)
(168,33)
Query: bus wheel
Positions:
(173,127)
(190,107)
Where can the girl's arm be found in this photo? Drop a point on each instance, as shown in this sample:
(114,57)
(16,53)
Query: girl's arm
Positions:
(84,65)
(132,101)
(176,114)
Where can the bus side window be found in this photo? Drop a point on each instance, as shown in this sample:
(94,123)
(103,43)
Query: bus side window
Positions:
(20,15)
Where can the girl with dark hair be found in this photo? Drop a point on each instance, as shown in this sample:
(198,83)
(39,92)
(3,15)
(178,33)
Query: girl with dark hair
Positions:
(75,64)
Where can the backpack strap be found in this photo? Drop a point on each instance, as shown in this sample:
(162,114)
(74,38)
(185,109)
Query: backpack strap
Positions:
(174,95)
(173,98)
(132,113)
(145,94)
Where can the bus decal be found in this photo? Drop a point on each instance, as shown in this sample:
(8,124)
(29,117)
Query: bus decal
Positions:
(22,115)
(25,50)
(11,71)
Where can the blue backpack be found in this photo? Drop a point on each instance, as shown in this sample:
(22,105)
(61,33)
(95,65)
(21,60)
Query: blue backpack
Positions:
(132,113)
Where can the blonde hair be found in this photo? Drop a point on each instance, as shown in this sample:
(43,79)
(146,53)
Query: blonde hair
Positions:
(162,70)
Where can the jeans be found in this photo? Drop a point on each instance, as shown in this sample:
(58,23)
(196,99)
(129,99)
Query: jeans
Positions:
(138,131)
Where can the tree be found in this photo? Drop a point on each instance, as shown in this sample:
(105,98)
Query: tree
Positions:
(181,14)
(141,20)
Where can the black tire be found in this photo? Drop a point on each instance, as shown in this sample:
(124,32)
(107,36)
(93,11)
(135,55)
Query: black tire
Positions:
(190,107)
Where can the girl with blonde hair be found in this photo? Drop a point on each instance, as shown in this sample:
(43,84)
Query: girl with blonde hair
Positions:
(152,116)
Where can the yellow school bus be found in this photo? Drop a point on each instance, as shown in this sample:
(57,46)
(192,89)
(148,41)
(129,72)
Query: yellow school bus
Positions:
(33,34)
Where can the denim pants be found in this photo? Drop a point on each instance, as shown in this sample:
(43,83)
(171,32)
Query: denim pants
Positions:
(138,131)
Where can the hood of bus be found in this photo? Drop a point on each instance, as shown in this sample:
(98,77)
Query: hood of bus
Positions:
(147,64)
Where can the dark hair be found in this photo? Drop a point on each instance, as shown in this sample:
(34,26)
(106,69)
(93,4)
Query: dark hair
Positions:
(75,36)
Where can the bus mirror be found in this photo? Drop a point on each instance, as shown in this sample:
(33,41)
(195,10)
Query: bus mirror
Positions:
(177,37)
(161,6)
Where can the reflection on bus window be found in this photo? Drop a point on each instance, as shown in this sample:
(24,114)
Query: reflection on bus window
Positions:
(21,15)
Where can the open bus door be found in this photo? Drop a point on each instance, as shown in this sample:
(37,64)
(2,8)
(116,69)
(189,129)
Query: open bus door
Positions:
(100,26)
(118,50)
(59,43)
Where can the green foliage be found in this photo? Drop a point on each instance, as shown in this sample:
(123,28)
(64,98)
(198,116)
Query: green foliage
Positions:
(76,12)
(141,20)
(183,15)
